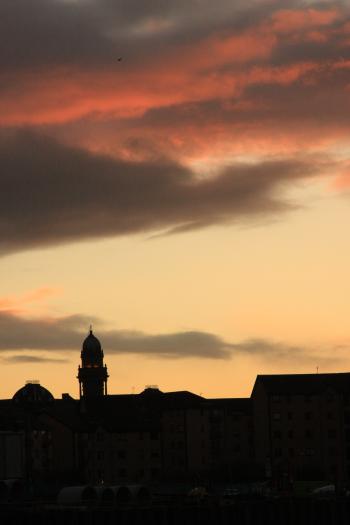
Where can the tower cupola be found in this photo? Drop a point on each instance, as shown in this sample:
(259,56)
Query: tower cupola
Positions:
(92,353)
(92,374)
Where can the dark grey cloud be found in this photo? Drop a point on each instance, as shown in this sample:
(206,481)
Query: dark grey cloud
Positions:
(41,32)
(33,341)
(276,352)
(269,349)
(52,194)
(23,358)
(67,334)
(93,32)
(90,32)
(18,333)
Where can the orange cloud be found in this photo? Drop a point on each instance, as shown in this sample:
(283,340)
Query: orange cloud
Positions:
(291,20)
(268,100)
(342,182)
(20,304)
(71,94)
(218,66)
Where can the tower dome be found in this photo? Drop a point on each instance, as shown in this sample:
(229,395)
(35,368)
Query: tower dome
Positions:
(33,393)
(92,353)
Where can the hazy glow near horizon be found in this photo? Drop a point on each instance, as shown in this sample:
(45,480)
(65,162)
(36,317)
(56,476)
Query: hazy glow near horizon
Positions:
(190,200)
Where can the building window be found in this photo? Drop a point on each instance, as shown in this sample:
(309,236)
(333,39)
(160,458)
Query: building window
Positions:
(308,433)
(290,433)
(122,473)
(277,434)
(121,454)
(276,399)
(332,433)
(308,416)
(278,452)
(291,452)
(290,416)
(276,416)
(154,435)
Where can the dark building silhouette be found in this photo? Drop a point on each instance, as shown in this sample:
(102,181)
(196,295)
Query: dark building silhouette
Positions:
(293,427)
(92,374)
(302,426)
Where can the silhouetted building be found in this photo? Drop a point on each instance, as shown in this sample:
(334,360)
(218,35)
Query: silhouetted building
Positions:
(92,374)
(302,426)
(292,427)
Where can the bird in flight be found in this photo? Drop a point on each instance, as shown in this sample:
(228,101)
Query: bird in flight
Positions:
(120,59)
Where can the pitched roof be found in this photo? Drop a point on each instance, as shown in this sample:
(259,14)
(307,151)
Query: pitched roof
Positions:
(304,384)
(181,400)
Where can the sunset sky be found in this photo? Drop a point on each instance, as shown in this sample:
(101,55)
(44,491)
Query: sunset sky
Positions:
(191,200)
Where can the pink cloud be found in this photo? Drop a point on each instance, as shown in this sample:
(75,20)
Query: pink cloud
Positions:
(269,98)
(291,20)
(217,66)
(21,304)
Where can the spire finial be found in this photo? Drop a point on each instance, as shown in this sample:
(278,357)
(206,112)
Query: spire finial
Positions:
(91,329)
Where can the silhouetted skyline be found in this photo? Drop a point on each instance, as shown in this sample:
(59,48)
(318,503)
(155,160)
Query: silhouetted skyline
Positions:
(177,174)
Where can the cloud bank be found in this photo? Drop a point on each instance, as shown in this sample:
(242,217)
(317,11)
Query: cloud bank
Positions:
(91,147)
(53,193)
(66,334)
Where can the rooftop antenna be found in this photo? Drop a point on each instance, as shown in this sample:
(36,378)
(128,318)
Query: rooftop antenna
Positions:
(316,369)
(90,328)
